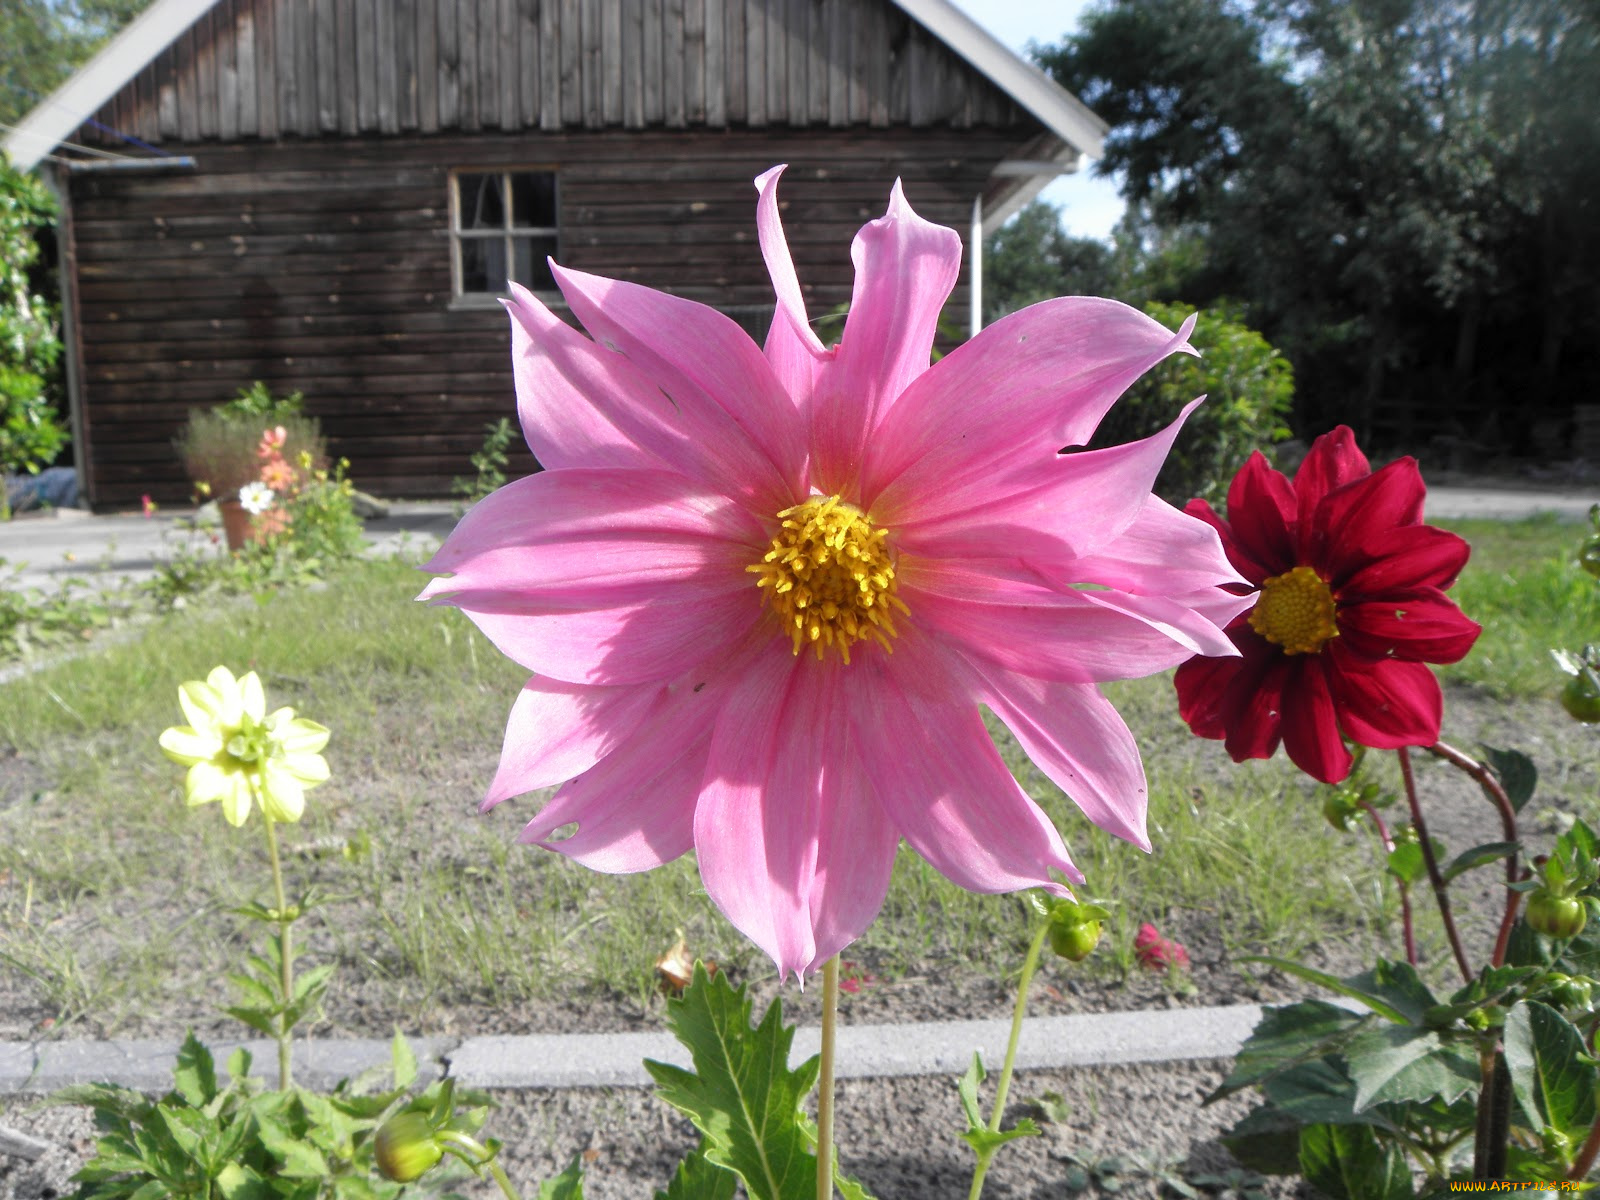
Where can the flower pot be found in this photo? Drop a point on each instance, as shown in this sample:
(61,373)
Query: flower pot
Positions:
(242,527)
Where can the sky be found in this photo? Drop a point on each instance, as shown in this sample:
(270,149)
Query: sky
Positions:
(1090,207)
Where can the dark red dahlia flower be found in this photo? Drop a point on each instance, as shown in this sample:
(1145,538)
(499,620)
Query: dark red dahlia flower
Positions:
(1350,608)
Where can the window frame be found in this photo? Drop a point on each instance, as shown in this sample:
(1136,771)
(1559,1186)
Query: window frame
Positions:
(509,233)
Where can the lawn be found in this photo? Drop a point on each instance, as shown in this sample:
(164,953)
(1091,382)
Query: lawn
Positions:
(114,896)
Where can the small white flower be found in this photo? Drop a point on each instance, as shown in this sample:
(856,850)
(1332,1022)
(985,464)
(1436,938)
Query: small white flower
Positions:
(256,497)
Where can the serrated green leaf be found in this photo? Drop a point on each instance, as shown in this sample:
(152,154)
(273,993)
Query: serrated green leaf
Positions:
(566,1186)
(1333,983)
(1467,860)
(1347,1162)
(196,1074)
(1402,1064)
(1397,984)
(105,1098)
(1518,775)
(1286,1037)
(239,1065)
(254,991)
(405,1062)
(1267,1140)
(698,1179)
(312,983)
(1406,863)
(297,1158)
(742,1096)
(1547,1077)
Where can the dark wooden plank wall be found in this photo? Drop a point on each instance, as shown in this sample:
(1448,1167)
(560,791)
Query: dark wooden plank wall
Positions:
(314,68)
(324,266)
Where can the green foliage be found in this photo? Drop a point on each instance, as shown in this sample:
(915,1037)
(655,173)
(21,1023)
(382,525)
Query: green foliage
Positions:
(44,41)
(1400,190)
(1032,258)
(323,526)
(741,1095)
(1249,390)
(490,462)
(31,433)
(219,446)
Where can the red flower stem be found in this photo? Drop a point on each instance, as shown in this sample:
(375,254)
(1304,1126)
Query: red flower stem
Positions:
(1405,888)
(1508,825)
(1441,889)
(1587,1154)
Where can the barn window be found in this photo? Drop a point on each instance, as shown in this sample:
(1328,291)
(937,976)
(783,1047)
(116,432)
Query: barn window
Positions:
(503,227)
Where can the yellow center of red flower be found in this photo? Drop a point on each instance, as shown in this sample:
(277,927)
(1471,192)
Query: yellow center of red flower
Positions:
(829,577)
(1295,611)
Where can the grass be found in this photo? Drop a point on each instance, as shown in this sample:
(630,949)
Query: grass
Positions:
(114,896)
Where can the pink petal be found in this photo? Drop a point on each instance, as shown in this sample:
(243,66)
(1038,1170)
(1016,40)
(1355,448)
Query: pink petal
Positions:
(1252,570)
(1008,399)
(905,269)
(936,772)
(582,406)
(1067,636)
(1384,703)
(557,731)
(635,807)
(1065,506)
(1076,737)
(729,405)
(793,349)
(598,536)
(779,793)
(1311,727)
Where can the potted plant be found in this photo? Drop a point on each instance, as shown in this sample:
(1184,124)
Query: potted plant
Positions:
(239,452)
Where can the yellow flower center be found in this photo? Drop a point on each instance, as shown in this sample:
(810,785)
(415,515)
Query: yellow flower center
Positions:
(1295,611)
(829,577)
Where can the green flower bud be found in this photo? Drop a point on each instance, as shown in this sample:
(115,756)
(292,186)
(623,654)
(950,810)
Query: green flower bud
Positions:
(1581,696)
(1589,556)
(405,1147)
(1555,916)
(1339,808)
(1075,942)
(1570,992)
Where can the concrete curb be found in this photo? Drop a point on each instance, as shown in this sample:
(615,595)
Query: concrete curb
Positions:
(615,1059)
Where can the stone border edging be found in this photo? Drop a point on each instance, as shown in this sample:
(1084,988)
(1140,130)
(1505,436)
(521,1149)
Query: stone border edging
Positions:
(615,1059)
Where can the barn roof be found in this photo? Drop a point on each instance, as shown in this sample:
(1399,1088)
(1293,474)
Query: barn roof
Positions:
(1075,132)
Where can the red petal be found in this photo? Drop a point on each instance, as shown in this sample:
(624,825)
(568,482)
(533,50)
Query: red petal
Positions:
(1311,735)
(1252,707)
(1409,557)
(1350,520)
(1420,625)
(1384,703)
(1252,570)
(1261,509)
(1201,684)
(1334,461)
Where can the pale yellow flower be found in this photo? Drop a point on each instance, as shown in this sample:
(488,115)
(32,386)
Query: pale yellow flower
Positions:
(238,753)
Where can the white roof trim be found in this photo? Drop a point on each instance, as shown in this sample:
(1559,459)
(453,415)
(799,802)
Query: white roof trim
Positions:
(81,96)
(1062,113)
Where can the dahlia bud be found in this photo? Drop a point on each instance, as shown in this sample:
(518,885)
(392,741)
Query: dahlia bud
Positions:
(1581,696)
(406,1148)
(1074,928)
(1555,915)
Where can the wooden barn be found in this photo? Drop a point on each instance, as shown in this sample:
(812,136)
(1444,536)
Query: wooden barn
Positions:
(329,195)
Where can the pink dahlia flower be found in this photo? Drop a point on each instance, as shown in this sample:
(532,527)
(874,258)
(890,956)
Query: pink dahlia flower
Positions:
(763,593)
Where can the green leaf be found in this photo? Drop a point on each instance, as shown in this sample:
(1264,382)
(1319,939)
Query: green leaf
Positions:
(1548,1078)
(297,1158)
(698,1179)
(1347,1162)
(1333,983)
(311,984)
(196,1074)
(1401,1064)
(107,1098)
(1407,864)
(566,1186)
(258,1020)
(255,991)
(967,1089)
(742,1096)
(241,1183)
(239,1065)
(1477,857)
(1518,775)
(405,1062)
(1286,1037)
(987,1141)
(1267,1140)
(1398,984)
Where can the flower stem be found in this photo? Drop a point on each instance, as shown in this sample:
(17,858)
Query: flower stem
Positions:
(476,1155)
(285,963)
(1406,923)
(1508,825)
(830,1013)
(1030,963)
(1441,889)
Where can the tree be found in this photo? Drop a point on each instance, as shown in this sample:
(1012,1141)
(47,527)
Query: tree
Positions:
(1390,184)
(44,41)
(1031,258)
